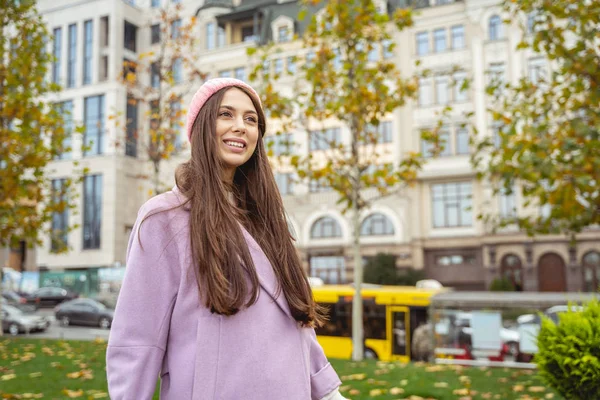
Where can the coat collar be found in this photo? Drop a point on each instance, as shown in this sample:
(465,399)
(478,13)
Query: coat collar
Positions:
(266,276)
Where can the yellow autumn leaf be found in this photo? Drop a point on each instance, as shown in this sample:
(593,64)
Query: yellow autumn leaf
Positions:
(518,388)
(549,396)
(73,393)
(35,374)
(537,389)
(440,384)
(32,396)
(375,392)
(396,390)
(8,377)
(354,392)
(461,392)
(404,382)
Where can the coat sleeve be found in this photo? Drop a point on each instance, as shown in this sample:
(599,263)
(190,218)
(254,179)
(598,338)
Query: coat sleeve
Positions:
(323,378)
(141,322)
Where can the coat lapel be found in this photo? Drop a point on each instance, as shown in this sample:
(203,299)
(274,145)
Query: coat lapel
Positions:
(266,275)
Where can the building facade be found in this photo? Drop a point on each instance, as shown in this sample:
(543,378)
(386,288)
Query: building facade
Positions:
(431,226)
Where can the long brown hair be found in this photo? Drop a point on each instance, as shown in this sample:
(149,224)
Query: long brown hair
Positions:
(219,249)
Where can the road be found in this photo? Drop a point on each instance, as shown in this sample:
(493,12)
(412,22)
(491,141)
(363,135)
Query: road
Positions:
(56,331)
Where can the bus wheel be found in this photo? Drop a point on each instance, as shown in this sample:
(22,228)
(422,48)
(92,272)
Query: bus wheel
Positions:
(370,355)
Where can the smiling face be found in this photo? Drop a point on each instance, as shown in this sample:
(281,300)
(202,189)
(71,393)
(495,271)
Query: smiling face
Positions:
(237,130)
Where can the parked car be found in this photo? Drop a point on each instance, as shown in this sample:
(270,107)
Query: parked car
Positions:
(50,296)
(84,312)
(15,321)
(18,301)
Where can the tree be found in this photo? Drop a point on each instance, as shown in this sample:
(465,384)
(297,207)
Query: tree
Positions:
(158,81)
(342,81)
(548,148)
(32,132)
(382,270)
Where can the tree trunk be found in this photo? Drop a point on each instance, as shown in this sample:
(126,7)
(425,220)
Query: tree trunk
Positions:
(156,178)
(357,303)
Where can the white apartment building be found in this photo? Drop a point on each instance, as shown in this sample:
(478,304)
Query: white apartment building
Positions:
(431,226)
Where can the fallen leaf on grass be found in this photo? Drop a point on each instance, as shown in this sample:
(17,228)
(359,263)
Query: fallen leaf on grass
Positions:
(435,368)
(381,371)
(549,396)
(83,374)
(518,388)
(396,390)
(464,379)
(537,389)
(35,374)
(354,377)
(440,384)
(73,393)
(354,392)
(503,380)
(376,392)
(7,377)
(404,382)
(32,396)
(461,392)
(486,395)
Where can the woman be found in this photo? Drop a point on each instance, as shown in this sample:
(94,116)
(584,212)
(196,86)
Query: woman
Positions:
(214,297)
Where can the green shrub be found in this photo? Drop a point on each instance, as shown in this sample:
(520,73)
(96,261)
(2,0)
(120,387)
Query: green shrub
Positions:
(569,353)
(382,270)
(502,285)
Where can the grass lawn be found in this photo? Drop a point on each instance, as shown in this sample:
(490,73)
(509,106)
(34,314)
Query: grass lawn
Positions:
(53,369)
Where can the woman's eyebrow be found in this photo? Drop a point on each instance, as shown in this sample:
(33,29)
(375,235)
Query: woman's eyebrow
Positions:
(233,109)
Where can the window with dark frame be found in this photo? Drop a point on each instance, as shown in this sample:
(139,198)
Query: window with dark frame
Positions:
(72,56)
(130,36)
(155,75)
(131,127)
(87,51)
(325,227)
(155,33)
(65,109)
(377,224)
(591,271)
(60,219)
(451,204)
(93,116)
(92,211)
(57,52)
(511,268)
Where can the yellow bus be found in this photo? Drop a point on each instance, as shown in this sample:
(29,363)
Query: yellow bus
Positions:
(390,316)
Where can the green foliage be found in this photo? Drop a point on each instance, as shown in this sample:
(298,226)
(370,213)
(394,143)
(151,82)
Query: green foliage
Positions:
(549,143)
(502,285)
(32,131)
(382,270)
(569,353)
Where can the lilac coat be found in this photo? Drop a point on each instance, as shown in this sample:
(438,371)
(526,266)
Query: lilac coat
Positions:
(160,328)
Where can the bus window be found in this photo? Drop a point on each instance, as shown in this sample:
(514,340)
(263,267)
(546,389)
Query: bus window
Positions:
(374,320)
(399,333)
(338,320)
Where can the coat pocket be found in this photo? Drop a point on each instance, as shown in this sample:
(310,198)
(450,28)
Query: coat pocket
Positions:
(206,364)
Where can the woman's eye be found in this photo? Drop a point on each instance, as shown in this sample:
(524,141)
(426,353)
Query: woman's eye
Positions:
(225,114)
(251,119)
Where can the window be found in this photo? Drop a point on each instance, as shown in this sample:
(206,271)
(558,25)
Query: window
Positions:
(131,127)
(87,52)
(225,74)
(441,90)
(496,127)
(291,65)
(495,28)
(536,70)
(462,140)
(72,57)
(385,132)
(439,40)
(175,28)
(508,205)
(240,73)
(285,183)
(376,225)
(427,147)
(57,52)
(387,49)
(220,36)
(283,34)
(591,271)
(94,125)
(248,34)
(458,37)
(324,139)
(155,3)
(451,203)
(155,75)
(332,270)
(318,186)
(278,65)
(460,92)
(496,74)
(455,259)
(281,144)
(425,98)
(104,31)
(210,36)
(511,268)
(178,70)
(92,211)
(325,227)
(422,43)
(130,36)
(103,68)
(175,127)
(155,33)
(60,220)
(66,110)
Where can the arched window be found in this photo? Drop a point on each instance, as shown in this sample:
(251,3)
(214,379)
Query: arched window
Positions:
(375,225)
(511,268)
(495,28)
(591,271)
(325,227)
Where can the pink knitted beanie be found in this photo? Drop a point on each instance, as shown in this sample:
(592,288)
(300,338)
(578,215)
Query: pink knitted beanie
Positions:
(209,88)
